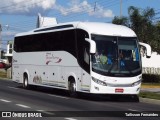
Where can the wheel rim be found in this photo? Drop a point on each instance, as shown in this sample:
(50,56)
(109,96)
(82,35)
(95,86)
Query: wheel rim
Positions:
(25,82)
(72,89)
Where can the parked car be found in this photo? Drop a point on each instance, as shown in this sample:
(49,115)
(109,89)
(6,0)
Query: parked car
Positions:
(2,65)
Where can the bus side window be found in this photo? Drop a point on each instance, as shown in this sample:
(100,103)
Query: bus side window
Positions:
(83,50)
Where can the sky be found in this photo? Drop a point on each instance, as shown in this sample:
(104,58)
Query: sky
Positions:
(21,15)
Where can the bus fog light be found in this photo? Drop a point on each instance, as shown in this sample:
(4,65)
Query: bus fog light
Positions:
(99,81)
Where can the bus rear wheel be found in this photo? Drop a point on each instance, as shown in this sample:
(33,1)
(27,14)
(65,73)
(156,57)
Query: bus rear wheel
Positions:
(25,82)
(72,88)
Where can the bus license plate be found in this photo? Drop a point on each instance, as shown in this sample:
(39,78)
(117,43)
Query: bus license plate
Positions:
(119,90)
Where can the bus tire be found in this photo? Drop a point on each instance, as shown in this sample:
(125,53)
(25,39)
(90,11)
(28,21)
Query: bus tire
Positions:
(25,81)
(72,87)
(135,98)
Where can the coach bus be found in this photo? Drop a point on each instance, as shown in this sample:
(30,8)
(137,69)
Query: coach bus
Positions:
(90,57)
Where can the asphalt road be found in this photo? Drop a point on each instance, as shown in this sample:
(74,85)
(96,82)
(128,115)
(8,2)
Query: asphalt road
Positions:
(53,104)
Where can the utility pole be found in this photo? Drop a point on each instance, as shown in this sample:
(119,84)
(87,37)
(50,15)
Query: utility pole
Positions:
(95,5)
(120,8)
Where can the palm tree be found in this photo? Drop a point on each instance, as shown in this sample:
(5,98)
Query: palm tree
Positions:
(120,21)
(157,37)
(141,22)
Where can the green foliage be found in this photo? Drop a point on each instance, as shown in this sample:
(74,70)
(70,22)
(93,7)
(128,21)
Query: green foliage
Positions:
(141,22)
(150,95)
(120,21)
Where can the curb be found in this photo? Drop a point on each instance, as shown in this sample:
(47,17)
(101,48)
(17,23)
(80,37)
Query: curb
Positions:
(147,100)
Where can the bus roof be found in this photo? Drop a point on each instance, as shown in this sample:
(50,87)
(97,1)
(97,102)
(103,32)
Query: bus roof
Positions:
(107,29)
(92,27)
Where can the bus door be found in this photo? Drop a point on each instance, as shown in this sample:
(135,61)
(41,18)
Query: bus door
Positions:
(86,77)
(85,84)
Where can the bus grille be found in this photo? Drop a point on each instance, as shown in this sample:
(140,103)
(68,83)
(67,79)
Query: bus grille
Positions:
(119,85)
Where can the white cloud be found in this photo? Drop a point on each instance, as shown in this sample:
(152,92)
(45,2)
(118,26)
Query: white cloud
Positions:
(32,7)
(25,6)
(77,7)
(101,12)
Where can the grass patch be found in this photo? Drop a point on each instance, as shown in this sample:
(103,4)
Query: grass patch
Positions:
(3,74)
(150,95)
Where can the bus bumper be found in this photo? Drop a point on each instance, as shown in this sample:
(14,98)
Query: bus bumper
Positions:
(100,89)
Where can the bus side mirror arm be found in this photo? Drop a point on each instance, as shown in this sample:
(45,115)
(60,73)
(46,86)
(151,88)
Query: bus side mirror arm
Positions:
(148,49)
(92,45)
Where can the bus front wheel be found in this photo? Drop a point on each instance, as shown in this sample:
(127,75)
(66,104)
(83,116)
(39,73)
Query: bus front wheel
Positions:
(72,88)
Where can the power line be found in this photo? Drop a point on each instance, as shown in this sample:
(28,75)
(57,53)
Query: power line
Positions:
(71,10)
(92,9)
(69,16)
(105,5)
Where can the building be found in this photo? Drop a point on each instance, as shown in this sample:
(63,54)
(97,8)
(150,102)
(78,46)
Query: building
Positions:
(9,51)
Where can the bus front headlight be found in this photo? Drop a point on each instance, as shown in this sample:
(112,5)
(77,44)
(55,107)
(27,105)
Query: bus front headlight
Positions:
(136,83)
(99,81)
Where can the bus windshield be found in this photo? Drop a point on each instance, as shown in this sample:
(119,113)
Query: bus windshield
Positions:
(116,56)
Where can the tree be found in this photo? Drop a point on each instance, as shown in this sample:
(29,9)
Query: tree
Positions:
(120,21)
(157,37)
(141,22)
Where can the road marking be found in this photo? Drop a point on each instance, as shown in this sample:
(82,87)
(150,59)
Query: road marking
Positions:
(70,118)
(3,100)
(133,110)
(12,87)
(57,96)
(40,110)
(24,106)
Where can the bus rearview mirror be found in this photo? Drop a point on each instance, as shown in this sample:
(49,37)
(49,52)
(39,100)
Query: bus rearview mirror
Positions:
(92,45)
(148,49)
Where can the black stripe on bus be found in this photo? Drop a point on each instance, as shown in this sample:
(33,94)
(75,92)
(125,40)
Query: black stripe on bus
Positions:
(54,28)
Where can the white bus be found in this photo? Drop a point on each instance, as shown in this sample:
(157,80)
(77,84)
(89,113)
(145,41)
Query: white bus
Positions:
(90,57)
